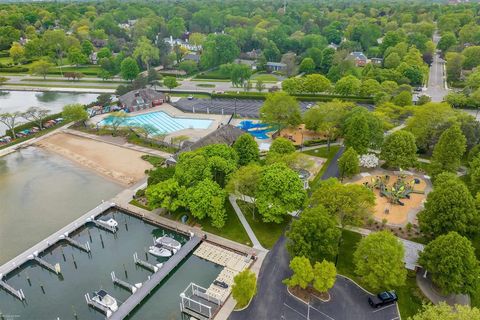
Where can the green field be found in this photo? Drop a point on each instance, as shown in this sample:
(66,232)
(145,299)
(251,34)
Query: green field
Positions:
(266,77)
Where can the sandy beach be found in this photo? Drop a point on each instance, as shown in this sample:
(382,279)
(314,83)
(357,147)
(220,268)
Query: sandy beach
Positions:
(120,164)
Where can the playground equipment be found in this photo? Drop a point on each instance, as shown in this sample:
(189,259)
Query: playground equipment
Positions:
(401,188)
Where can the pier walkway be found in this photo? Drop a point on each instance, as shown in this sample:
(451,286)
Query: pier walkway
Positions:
(127,307)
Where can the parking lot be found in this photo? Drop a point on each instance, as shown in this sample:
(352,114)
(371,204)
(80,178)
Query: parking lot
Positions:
(246,108)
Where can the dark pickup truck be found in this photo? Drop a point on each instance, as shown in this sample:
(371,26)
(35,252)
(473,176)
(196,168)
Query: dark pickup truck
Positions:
(382,299)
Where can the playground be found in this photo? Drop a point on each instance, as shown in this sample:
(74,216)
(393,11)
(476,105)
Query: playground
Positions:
(399,195)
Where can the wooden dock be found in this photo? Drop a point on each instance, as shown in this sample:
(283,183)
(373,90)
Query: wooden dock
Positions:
(124,284)
(77,244)
(53,268)
(135,299)
(14,292)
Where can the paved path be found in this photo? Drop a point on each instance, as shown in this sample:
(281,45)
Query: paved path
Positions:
(256,244)
(425,284)
(437,87)
(332,169)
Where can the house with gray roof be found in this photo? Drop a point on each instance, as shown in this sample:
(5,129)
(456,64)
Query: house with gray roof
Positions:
(275,66)
(141,99)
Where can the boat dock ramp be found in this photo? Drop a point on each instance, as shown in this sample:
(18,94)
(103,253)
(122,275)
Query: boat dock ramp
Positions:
(124,284)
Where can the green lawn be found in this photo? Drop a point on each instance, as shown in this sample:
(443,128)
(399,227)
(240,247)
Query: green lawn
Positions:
(264,77)
(5,60)
(206,85)
(267,233)
(409,296)
(232,229)
(87,70)
(138,204)
(322,152)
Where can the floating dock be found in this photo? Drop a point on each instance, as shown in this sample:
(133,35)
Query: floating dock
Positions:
(53,268)
(14,292)
(95,305)
(145,264)
(76,244)
(127,307)
(124,284)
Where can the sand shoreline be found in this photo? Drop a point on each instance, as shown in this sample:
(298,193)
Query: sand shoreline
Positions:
(121,165)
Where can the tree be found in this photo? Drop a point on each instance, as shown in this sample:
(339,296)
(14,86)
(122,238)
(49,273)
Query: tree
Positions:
(454,66)
(260,86)
(472,57)
(447,41)
(244,287)
(218,49)
(307,65)
(41,68)
(244,183)
(280,109)
(74,113)
(280,191)
(75,56)
(247,149)
(302,273)
(449,150)
(449,207)
(370,88)
(17,52)
(327,118)
(282,146)
(452,264)
(392,61)
(314,235)
(129,69)
(170,82)
(315,83)
(146,51)
(289,59)
(350,204)
(36,115)
(403,99)
(10,121)
(188,66)
(239,74)
(443,311)
(348,86)
(474,174)
(348,163)
(399,150)
(207,199)
(379,262)
(324,276)
(87,48)
(362,130)
(167,194)
(191,168)
(176,26)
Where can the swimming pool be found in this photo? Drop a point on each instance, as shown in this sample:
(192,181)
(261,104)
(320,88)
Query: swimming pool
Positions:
(258,130)
(161,121)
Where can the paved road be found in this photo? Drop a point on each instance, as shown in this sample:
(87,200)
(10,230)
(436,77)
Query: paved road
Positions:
(436,80)
(332,169)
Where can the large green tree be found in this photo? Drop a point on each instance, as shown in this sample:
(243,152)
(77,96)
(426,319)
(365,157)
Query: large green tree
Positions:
(146,52)
(399,150)
(207,199)
(348,86)
(244,287)
(362,130)
(280,109)
(379,262)
(449,207)
(280,191)
(167,194)
(452,264)
(282,146)
(74,113)
(41,68)
(244,183)
(348,163)
(314,235)
(324,276)
(449,150)
(129,69)
(443,311)
(218,49)
(302,273)
(247,149)
(351,204)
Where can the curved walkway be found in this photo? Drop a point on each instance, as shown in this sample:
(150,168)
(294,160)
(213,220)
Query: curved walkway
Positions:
(425,284)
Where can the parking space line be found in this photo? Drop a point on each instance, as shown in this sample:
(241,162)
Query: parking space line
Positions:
(396,318)
(326,315)
(384,308)
(286,305)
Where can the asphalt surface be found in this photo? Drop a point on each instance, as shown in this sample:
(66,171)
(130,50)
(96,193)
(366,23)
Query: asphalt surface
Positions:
(436,83)
(272,301)
(247,108)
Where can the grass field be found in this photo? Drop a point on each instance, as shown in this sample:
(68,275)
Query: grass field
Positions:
(409,296)
(267,233)
(264,77)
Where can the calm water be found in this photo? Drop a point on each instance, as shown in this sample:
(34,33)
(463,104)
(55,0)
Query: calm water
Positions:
(41,192)
(11,101)
(64,296)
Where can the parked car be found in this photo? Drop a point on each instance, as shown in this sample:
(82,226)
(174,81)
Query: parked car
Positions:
(190,97)
(383,298)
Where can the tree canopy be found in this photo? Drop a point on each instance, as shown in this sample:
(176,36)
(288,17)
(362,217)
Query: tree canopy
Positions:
(280,109)
(399,150)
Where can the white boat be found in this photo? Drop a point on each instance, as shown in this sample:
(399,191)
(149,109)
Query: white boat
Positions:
(106,300)
(159,251)
(169,243)
(110,222)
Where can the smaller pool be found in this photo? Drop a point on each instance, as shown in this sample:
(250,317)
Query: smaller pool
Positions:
(161,121)
(258,130)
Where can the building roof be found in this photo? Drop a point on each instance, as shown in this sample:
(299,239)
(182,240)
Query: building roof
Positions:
(412,252)
(276,64)
(192,56)
(140,97)
(226,134)
(358,55)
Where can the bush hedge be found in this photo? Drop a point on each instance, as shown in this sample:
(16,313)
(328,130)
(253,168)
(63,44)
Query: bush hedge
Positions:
(300,97)
(15,69)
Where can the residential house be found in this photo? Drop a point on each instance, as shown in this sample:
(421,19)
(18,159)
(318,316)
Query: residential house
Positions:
(141,99)
(251,55)
(359,58)
(182,43)
(192,56)
(275,66)
(333,46)
(377,61)
(251,63)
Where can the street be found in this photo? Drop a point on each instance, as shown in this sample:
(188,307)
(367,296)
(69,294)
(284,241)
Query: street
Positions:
(436,81)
